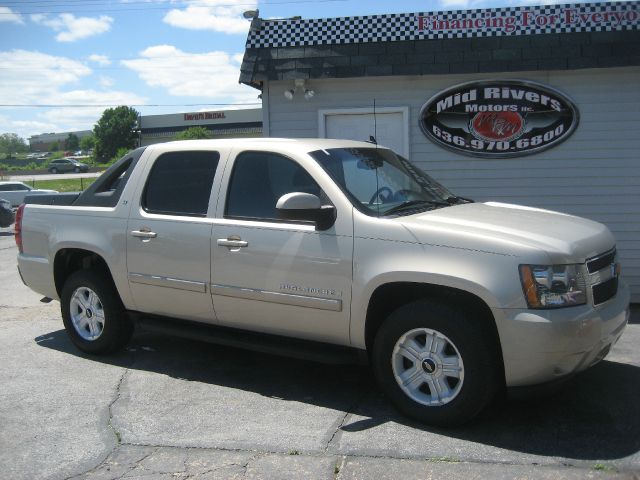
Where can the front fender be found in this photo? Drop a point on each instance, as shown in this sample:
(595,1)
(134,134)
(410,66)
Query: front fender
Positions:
(491,277)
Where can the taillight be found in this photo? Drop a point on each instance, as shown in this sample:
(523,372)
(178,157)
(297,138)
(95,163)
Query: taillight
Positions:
(18,227)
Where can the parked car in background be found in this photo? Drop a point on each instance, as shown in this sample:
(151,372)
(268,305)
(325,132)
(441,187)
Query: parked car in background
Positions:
(62,165)
(7,217)
(15,192)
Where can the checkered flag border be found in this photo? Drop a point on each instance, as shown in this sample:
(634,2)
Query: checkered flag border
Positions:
(567,18)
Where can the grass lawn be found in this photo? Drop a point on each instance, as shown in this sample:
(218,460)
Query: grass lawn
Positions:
(62,185)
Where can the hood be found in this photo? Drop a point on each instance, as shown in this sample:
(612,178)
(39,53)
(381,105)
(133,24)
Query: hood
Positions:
(505,228)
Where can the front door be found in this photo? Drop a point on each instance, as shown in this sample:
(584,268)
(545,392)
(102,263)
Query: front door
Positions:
(169,237)
(273,276)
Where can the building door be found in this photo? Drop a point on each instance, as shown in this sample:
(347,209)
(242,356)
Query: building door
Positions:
(388,126)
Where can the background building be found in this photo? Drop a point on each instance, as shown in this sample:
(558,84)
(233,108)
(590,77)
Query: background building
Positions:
(163,128)
(44,141)
(221,124)
(392,76)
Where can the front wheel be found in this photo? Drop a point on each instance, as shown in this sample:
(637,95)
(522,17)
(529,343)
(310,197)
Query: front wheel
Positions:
(76,169)
(435,363)
(92,313)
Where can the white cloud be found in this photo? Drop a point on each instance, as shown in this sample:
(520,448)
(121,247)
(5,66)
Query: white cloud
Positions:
(33,78)
(218,15)
(8,15)
(106,82)
(212,75)
(83,118)
(101,60)
(27,77)
(25,128)
(72,28)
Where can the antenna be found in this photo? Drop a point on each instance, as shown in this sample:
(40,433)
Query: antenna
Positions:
(375,124)
(375,141)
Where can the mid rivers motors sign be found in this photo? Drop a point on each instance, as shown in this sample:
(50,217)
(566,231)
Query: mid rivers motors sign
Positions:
(498,118)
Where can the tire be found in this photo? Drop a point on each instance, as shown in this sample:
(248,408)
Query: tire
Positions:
(53,170)
(76,170)
(445,385)
(93,314)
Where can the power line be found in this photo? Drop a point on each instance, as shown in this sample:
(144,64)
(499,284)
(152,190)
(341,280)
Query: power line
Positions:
(125,10)
(106,105)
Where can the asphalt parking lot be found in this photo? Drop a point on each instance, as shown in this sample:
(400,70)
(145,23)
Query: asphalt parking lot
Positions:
(171,408)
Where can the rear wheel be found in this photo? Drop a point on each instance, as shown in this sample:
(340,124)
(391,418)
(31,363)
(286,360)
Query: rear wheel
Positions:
(53,170)
(435,362)
(93,315)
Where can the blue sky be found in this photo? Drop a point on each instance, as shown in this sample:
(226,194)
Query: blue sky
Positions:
(64,60)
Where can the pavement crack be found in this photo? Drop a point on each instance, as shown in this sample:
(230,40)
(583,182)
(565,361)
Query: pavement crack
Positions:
(336,430)
(116,397)
(338,425)
(253,458)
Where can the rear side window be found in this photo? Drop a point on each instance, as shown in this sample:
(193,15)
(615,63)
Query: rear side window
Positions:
(13,187)
(180,183)
(259,179)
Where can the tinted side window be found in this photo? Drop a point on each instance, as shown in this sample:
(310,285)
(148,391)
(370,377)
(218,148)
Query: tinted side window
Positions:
(259,179)
(180,183)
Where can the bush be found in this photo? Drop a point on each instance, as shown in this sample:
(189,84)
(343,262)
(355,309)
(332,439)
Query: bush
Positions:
(121,152)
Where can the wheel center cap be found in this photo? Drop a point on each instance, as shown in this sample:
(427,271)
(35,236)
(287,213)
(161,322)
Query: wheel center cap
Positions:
(89,313)
(429,366)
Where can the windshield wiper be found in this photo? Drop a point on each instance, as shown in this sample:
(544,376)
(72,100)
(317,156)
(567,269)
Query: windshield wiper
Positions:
(454,199)
(409,204)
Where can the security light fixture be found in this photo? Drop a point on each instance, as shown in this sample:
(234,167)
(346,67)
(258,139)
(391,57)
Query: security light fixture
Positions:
(299,83)
(256,21)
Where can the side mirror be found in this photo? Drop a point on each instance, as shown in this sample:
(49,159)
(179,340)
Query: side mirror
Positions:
(306,207)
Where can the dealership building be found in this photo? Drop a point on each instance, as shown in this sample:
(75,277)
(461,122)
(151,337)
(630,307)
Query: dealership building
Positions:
(529,105)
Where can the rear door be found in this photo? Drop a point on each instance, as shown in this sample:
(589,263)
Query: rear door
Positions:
(169,235)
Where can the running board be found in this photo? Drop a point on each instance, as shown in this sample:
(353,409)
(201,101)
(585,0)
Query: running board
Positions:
(260,342)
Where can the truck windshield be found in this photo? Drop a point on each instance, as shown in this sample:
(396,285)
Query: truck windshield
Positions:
(380,183)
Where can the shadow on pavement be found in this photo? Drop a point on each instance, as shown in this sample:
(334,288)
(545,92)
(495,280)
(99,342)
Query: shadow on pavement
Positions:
(595,416)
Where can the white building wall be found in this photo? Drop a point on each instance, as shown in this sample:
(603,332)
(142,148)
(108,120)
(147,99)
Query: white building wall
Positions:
(594,174)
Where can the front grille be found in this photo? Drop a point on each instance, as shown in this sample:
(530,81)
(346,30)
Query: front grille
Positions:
(605,290)
(602,261)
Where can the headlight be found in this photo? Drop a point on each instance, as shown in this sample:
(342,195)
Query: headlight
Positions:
(553,286)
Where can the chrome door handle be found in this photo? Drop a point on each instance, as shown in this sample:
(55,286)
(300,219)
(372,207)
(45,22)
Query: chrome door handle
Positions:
(232,243)
(144,233)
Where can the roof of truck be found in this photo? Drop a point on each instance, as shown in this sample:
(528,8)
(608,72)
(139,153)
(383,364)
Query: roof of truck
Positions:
(307,144)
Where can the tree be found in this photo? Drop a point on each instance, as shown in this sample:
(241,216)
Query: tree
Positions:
(72,142)
(193,133)
(88,142)
(115,129)
(11,143)
(55,146)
